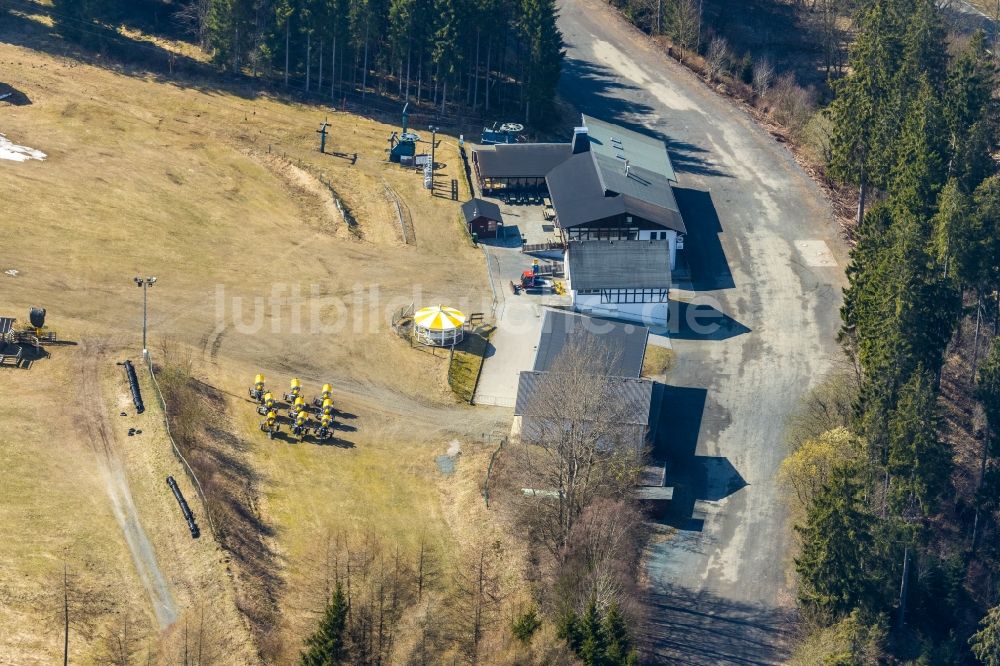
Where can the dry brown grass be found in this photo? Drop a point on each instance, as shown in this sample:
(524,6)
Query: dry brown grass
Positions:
(657,362)
(161,179)
(55,510)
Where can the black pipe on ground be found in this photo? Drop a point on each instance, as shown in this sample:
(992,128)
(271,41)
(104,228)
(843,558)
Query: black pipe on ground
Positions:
(188,516)
(133,382)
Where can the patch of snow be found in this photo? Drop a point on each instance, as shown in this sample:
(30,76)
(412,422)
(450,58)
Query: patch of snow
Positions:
(15,153)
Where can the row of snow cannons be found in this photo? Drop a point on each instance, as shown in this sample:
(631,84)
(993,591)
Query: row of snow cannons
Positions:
(302,418)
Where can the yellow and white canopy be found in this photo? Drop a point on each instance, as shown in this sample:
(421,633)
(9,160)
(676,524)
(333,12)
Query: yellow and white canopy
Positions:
(438,318)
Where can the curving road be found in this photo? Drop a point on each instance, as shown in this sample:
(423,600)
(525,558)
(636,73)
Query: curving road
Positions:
(765,250)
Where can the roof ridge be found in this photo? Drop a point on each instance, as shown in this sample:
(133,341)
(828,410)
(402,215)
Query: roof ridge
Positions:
(600,174)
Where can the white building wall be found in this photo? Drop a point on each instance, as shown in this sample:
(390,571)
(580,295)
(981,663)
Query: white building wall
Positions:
(650,314)
(671,237)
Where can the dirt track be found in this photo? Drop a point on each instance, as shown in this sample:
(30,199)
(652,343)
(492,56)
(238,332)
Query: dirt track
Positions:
(95,418)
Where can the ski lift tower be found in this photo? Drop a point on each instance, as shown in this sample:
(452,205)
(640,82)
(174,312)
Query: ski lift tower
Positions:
(406,144)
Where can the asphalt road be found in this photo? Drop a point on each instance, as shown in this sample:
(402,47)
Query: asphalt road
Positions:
(764,250)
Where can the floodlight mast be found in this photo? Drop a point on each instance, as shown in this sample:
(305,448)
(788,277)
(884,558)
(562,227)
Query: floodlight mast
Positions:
(434,129)
(145,283)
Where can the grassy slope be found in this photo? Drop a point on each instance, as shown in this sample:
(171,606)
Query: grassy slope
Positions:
(157,178)
(55,510)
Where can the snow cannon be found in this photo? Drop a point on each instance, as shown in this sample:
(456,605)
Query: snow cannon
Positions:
(266,403)
(295,388)
(301,426)
(325,394)
(325,429)
(298,406)
(257,392)
(270,424)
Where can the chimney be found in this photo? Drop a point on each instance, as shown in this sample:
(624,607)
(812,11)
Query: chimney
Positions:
(626,168)
(581,140)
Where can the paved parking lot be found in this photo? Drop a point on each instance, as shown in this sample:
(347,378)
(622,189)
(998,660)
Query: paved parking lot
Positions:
(519,323)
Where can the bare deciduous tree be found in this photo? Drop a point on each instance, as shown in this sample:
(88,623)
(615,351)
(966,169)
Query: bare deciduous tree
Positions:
(717,57)
(577,443)
(793,104)
(683,21)
(479,595)
(763,76)
(193,16)
(602,556)
(380,581)
(123,639)
(76,606)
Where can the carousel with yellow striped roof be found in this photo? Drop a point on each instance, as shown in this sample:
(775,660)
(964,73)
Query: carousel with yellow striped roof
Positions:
(438,325)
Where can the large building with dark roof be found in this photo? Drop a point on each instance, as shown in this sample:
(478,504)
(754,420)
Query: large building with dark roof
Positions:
(517,166)
(625,279)
(611,352)
(608,183)
(617,349)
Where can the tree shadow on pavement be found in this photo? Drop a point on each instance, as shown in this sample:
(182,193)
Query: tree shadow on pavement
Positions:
(703,250)
(511,237)
(701,321)
(597,91)
(702,629)
(693,477)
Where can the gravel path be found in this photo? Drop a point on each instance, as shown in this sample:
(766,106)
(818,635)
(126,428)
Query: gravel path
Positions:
(123,507)
(763,247)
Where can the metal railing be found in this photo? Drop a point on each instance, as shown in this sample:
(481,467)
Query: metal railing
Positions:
(177,452)
(494,400)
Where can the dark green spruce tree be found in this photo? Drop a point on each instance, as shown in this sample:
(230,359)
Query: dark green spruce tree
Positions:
(592,645)
(328,646)
(618,643)
(834,566)
(973,114)
(919,462)
(863,114)
(545,50)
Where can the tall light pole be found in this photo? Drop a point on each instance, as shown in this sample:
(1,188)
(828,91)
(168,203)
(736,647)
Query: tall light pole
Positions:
(145,283)
(433,129)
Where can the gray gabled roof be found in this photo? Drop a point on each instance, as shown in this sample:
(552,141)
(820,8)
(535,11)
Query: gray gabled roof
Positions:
(476,208)
(594,184)
(619,264)
(524,160)
(622,347)
(618,144)
(635,395)
(590,186)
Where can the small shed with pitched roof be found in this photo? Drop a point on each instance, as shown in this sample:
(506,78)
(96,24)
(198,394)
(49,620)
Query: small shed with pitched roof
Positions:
(482,218)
